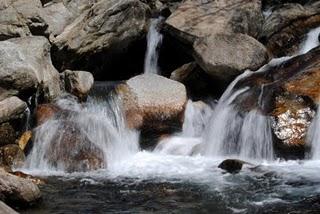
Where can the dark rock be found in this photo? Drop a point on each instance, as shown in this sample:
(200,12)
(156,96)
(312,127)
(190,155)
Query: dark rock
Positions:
(232,165)
(11,156)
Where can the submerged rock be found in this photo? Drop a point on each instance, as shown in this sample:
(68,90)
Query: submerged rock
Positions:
(232,165)
(153,102)
(45,112)
(225,56)
(17,191)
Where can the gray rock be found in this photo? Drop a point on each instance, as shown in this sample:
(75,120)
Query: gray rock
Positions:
(197,18)
(14,189)
(78,83)
(5,209)
(107,25)
(224,56)
(11,108)
(25,65)
(287,25)
(153,101)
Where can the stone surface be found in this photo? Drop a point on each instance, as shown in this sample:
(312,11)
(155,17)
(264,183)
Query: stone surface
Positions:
(24,140)
(224,56)
(154,102)
(25,66)
(105,26)
(11,156)
(78,83)
(45,112)
(17,191)
(287,25)
(5,209)
(197,18)
(7,134)
(11,108)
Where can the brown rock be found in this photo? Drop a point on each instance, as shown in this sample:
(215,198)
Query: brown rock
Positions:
(11,155)
(24,140)
(7,134)
(45,112)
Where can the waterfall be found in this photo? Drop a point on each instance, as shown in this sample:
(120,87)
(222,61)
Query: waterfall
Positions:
(154,39)
(313,136)
(95,128)
(311,41)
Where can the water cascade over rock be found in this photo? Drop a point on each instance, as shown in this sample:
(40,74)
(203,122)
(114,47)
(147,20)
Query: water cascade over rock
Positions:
(82,137)
(154,39)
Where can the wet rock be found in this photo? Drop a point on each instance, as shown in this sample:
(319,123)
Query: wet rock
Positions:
(7,134)
(17,191)
(108,26)
(34,180)
(286,27)
(288,92)
(182,73)
(11,156)
(25,66)
(196,18)
(226,56)
(45,112)
(232,165)
(5,209)
(78,83)
(72,151)
(24,140)
(153,102)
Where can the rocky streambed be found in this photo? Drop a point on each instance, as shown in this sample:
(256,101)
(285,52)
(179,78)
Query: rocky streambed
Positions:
(131,105)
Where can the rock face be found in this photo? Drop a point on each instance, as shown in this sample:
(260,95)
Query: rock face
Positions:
(5,209)
(153,102)
(11,108)
(11,155)
(287,25)
(289,93)
(105,26)
(45,112)
(17,191)
(78,83)
(225,56)
(196,18)
(25,65)
(72,151)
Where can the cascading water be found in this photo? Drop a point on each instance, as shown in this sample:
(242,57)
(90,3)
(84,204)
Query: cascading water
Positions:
(311,41)
(313,137)
(99,123)
(154,39)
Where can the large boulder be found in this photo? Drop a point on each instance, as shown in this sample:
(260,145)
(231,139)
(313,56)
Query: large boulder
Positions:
(78,83)
(11,108)
(197,18)
(17,191)
(225,56)
(106,26)
(287,26)
(25,66)
(153,102)
(288,92)
(45,112)
(12,24)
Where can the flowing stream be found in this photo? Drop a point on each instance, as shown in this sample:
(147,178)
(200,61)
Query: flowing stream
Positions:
(180,175)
